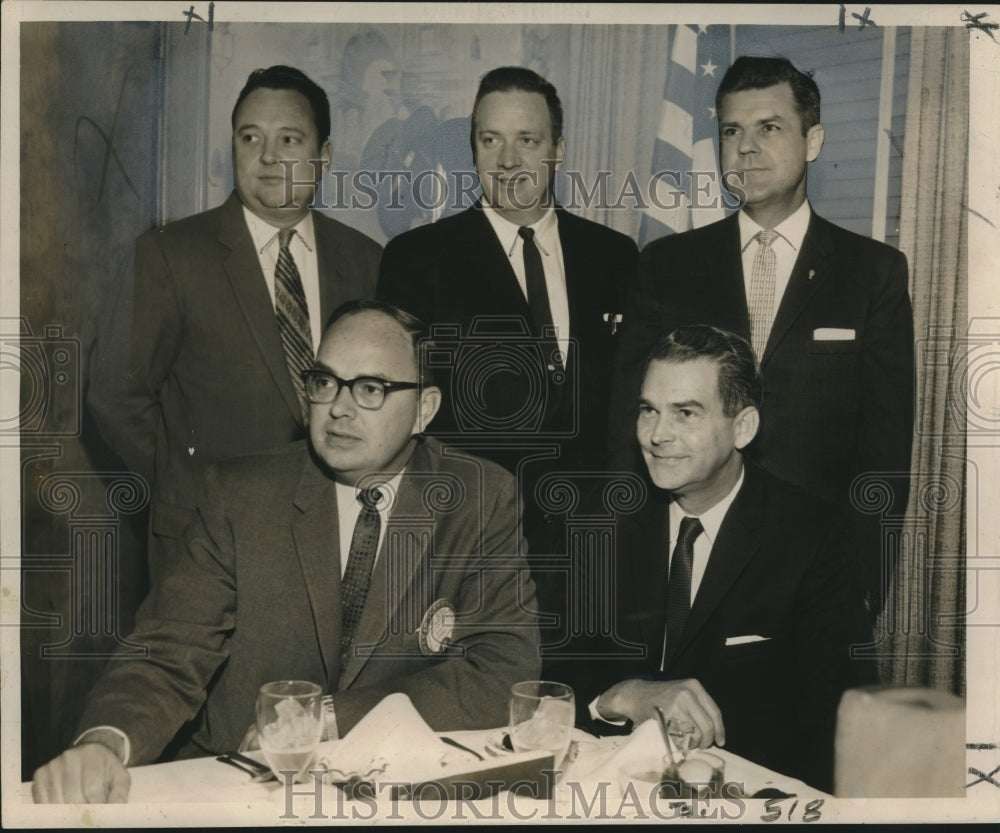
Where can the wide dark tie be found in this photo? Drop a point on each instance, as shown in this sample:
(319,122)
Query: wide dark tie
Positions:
(538,296)
(679,585)
(357,576)
(292,313)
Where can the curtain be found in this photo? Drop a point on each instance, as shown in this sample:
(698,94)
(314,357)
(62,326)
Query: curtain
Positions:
(610,79)
(922,629)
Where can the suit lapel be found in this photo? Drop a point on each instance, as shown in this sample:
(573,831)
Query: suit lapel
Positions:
(738,541)
(403,552)
(727,274)
(242,267)
(327,263)
(578,286)
(810,271)
(645,559)
(481,246)
(316,532)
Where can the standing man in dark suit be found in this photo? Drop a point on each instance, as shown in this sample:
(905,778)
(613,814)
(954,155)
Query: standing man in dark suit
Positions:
(369,560)
(200,358)
(523,298)
(508,274)
(736,584)
(826,310)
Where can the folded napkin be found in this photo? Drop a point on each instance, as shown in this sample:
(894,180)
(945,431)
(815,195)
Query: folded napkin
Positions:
(390,743)
(645,742)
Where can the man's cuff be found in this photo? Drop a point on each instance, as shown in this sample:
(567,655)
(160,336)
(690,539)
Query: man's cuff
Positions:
(329,719)
(596,715)
(117,743)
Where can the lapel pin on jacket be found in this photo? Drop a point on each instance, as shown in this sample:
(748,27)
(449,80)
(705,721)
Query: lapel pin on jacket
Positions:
(812,274)
(437,627)
(614,318)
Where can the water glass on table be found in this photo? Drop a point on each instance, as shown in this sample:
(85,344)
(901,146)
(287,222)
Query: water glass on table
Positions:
(289,725)
(542,715)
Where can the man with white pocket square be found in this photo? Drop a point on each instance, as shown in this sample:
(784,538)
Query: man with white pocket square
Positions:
(734,582)
(826,310)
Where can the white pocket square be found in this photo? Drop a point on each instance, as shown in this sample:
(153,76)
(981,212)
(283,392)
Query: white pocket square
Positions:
(833,334)
(743,640)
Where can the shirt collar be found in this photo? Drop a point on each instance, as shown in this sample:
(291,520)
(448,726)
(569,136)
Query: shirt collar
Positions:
(711,519)
(264,235)
(389,491)
(507,231)
(792,229)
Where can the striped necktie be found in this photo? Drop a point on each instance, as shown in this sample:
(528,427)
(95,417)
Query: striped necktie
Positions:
(292,313)
(357,576)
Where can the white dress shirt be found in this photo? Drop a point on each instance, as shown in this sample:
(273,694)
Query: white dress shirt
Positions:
(302,248)
(550,248)
(349,508)
(791,232)
(711,520)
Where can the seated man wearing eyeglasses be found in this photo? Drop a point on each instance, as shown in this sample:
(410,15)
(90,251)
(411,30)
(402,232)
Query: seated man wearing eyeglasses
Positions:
(277,580)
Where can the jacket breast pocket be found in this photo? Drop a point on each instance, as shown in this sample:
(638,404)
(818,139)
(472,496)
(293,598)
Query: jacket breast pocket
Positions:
(834,346)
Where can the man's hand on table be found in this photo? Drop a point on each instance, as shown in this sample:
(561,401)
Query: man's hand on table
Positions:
(684,701)
(90,773)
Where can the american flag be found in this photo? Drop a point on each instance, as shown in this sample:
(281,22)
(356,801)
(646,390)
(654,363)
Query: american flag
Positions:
(685,161)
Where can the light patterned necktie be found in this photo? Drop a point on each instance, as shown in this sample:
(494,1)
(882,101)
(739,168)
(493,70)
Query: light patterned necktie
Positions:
(357,576)
(292,312)
(762,279)
(679,586)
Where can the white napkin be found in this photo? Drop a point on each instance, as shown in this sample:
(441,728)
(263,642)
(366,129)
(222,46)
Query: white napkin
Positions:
(390,743)
(645,742)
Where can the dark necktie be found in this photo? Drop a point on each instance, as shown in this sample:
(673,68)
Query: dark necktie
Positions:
(292,312)
(538,295)
(357,576)
(679,585)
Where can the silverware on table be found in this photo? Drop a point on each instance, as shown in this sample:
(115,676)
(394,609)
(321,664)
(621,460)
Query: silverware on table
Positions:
(260,772)
(457,745)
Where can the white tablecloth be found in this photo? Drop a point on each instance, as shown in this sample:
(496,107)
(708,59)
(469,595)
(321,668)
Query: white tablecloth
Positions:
(194,790)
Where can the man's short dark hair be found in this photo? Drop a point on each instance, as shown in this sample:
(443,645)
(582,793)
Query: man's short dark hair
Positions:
(415,327)
(289,78)
(519,79)
(740,382)
(752,73)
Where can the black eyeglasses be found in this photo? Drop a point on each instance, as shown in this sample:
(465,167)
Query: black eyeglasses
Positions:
(369,392)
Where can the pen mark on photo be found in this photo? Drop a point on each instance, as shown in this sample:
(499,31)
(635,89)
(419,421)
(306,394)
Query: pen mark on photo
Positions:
(983,778)
(109,142)
(865,21)
(977,22)
(191,14)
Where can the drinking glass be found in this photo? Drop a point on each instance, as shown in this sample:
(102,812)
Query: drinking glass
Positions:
(289,725)
(542,715)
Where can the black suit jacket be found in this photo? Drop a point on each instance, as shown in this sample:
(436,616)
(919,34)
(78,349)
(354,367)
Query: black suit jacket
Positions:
(190,366)
(832,409)
(455,274)
(781,569)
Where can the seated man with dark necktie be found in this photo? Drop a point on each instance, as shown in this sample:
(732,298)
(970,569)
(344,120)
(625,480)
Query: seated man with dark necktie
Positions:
(739,586)
(369,559)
